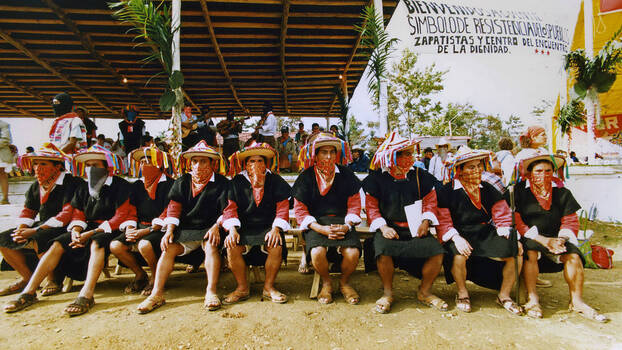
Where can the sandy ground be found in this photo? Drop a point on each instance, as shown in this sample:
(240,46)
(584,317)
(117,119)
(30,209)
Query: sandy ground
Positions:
(303,323)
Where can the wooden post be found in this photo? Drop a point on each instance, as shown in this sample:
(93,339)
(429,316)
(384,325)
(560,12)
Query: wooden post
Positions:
(177,108)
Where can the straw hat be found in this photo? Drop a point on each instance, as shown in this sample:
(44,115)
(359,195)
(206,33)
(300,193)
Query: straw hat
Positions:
(97,152)
(156,157)
(254,149)
(466,154)
(306,157)
(201,149)
(535,155)
(47,152)
(387,151)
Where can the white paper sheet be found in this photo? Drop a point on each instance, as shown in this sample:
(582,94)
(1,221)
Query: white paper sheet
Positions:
(414,216)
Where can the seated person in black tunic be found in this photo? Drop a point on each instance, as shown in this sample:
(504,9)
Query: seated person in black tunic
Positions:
(256,216)
(547,220)
(196,201)
(50,197)
(474,223)
(387,193)
(101,208)
(150,197)
(327,205)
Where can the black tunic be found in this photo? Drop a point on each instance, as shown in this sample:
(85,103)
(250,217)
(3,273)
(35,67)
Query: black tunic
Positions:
(60,195)
(475,225)
(330,208)
(393,195)
(548,221)
(131,139)
(148,209)
(201,212)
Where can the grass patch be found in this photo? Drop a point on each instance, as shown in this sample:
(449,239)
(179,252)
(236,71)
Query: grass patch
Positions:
(605,233)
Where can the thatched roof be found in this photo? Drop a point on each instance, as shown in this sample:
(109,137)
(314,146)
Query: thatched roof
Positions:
(234,54)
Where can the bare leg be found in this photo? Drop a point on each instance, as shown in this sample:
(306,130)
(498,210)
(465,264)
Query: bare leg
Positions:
(530,274)
(273,263)
(509,277)
(165,267)
(46,265)
(238,268)
(17,260)
(212,268)
(320,264)
(96,265)
(385,270)
(146,250)
(431,269)
(459,272)
(573,273)
(348,264)
(123,253)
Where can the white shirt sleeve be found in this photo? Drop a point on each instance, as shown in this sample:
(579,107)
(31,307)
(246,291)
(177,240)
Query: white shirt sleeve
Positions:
(76,129)
(269,126)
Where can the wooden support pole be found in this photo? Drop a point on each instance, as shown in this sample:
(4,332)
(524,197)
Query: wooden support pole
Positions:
(284,20)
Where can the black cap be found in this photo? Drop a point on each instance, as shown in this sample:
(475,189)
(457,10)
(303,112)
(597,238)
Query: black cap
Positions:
(285,129)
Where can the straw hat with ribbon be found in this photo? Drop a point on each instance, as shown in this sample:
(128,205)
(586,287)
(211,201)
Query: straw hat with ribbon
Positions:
(466,154)
(306,157)
(47,152)
(236,160)
(529,156)
(155,156)
(115,163)
(386,154)
(201,149)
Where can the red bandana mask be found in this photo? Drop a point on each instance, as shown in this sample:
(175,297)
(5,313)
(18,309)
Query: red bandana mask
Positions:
(152,175)
(325,174)
(470,181)
(200,177)
(46,176)
(402,166)
(542,187)
(257,175)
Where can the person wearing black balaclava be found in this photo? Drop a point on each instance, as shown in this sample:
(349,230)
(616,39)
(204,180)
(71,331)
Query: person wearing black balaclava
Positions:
(68,132)
(132,129)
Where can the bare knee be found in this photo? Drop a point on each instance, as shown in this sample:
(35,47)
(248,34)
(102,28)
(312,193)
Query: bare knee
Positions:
(350,253)
(573,260)
(116,247)
(237,251)
(144,246)
(275,251)
(318,253)
(460,261)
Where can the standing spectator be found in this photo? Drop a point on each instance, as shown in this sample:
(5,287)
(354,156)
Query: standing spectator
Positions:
(335,130)
(506,158)
(190,136)
(428,153)
(230,129)
(301,136)
(360,162)
(83,113)
(30,150)
(437,163)
(68,133)
(132,129)
(573,157)
(315,129)
(6,160)
(286,149)
(205,127)
(268,128)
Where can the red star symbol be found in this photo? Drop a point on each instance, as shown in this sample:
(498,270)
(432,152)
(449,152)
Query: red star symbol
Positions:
(536,50)
(548,53)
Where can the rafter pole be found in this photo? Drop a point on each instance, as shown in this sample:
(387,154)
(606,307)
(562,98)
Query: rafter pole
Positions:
(18,45)
(349,62)
(26,90)
(19,110)
(221,59)
(87,43)
(283,42)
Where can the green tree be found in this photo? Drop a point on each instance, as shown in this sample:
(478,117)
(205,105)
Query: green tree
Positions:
(409,94)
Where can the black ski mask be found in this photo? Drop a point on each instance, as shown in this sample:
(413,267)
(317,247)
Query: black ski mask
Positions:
(62,104)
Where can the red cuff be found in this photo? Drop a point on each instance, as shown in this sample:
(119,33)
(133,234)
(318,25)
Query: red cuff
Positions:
(282,210)
(372,208)
(174,209)
(231,211)
(501,214)
(124,212)
(429,203)
(65,214)
(28,213)
(570,222)
(300,211)
(78,215)
(445,223)
(521,227)
(354,204)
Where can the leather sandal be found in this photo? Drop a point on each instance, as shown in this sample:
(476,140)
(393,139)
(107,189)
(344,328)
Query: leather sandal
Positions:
(275,296)
(79,306)
(589,313)
(533,309)
(151,303)
(511,306)
(434,302)
(463,304)
(349,294)
(383,305)
(212,302)
(325,296)
(136,286)
(235,297)
(21,302)
(14,288)
(50,289)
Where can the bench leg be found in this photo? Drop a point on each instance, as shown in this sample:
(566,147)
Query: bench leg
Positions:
(315,287)
(118,270)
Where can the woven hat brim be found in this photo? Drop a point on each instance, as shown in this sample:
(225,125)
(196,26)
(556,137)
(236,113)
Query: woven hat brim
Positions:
(189,155)
(83,157)
(264,152)
(558,163)
(479,156)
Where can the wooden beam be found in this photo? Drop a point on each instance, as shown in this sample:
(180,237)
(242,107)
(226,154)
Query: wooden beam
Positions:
(19,110)
(87,43)
(349,62)
(26,90)
(43,63)
(284,20)
(221,60)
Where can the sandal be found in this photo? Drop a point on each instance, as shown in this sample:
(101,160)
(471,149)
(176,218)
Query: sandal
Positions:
(13,288)
(148,289)
(21,302)
(235,297)
(136,286)
(590,314)
(463,304)
(275,296)
(383,305)
(349,294)
(192,269)
(212,302)
(434,302)
(304,268)
(511,306)
(533,309)
(151,303)
(81,306)
(50,289)
(325,296)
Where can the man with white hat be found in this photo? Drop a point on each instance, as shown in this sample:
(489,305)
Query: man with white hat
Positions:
(437,163)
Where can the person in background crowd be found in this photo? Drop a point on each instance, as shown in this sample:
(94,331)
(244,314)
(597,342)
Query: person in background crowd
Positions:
(418,162)
(230,130)
(573,157)
(147,141)
(29,150)
(506,158)
(132,129)
(6,160)
(315,129)
(268,128)
(428,153)
(68,132)
(205,127)
(83,113)
(437,163)
(301,136)
(335,130)
(360,161)
(286,150)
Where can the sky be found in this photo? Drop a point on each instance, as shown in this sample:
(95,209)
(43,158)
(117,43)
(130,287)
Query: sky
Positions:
(497,84)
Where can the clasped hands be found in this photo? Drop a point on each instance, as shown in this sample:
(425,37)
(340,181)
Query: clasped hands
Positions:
(21,235)
(79,238)
(390,233)
(333,231)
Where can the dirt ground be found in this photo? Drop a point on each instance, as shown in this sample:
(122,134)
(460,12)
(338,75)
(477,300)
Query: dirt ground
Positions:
(303,323)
